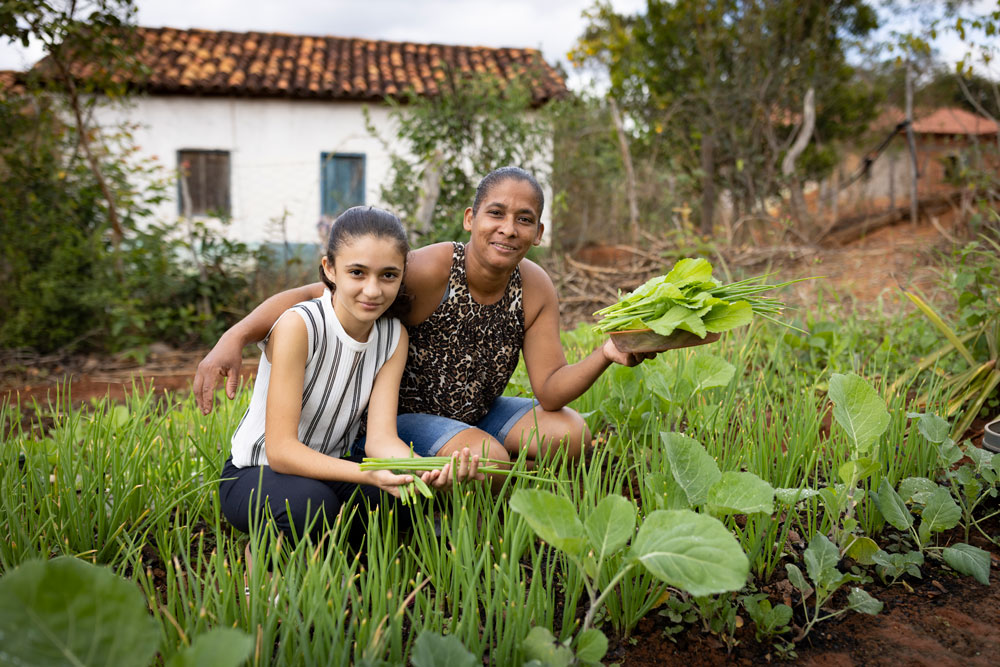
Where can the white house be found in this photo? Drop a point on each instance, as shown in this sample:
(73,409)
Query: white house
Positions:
(268,127)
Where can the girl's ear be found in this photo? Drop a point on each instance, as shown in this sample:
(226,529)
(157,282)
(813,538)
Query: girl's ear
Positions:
(328,270)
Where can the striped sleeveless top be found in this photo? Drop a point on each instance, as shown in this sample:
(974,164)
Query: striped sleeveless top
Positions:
(340,372)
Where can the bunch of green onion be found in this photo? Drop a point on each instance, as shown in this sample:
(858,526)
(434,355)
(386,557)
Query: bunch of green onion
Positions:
(416,465)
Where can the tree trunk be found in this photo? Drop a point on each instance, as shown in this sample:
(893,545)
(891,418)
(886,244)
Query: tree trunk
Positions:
(911,142)
(83,137)
(707,182)
(630,191)
(430,190)
(796,199)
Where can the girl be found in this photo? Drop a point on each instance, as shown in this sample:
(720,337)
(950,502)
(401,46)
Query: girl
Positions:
(325,361)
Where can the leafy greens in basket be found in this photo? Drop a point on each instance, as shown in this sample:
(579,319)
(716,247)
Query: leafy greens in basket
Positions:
(690,299)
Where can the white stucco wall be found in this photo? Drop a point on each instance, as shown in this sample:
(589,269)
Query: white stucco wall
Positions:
(274,147)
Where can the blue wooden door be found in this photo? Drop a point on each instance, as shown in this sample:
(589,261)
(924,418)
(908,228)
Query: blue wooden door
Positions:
(342,182)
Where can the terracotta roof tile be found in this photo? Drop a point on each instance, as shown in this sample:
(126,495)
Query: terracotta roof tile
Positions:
(10,81)
(953,120)
(200,62)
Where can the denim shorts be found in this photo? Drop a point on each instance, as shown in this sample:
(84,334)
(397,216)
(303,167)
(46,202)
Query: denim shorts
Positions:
(429,433)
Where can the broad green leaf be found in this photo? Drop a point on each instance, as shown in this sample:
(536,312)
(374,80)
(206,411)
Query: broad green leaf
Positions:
(862,602)
(933,428)
(779,616)
(706,371)
(916,489)
(892,507)
(980,457)
(820,558)
(741,493)
(219,647)
(726,317)
(799,581)
(694,324)
(552,517)
(969,560)
(941,511)
(692,467)
(859,409)
(610,525)
(834,497)
(591,646)
(789,496)
(671,320)
(65,611)
(862,549)
(119,416)
(949,454)
(690,270)
(855,470)
(540,645)
(693,552)
(668,494)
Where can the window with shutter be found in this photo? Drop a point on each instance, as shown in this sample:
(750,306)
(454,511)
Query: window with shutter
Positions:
(203,182)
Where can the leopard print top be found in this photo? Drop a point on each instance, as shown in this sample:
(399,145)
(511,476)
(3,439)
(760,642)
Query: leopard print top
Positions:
(462,356)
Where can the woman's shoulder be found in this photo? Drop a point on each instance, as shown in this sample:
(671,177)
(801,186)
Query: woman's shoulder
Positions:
(429,262)
(537,290)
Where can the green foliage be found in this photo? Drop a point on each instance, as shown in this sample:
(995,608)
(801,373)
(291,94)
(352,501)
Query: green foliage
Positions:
(434,650)
(454,139)
(67,612)
(821,558)
(80,265)
(673,67)
(859,409)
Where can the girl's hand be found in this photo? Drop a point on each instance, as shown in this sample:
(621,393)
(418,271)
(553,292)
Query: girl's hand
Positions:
(464,467)
(389,481)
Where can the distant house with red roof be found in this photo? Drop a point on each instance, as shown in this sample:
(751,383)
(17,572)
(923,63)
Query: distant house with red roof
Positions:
(269,127)
(950,143)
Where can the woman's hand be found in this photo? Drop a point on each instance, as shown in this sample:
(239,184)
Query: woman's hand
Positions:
(225,360)
(389,481)
(613,354)
(464,467)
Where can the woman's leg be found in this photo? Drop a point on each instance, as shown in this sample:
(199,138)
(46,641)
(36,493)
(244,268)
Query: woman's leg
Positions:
(545,432)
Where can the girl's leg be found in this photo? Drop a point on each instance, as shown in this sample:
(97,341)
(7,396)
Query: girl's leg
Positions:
(296,503)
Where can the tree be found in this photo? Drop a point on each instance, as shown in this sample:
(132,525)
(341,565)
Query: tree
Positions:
(722,85)
(451,141)
(90,49)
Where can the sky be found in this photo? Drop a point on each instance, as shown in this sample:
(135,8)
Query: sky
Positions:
(551,26)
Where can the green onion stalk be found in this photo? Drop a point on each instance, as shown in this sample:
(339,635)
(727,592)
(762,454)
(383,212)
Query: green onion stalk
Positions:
(428,463)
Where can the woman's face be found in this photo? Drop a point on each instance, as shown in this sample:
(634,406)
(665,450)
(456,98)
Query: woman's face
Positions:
(506,225)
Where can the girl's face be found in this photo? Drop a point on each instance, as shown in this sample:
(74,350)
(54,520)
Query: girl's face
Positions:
(368,272)
(506,224)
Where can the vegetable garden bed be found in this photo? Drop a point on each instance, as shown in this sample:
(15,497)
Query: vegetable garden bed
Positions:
(729,442)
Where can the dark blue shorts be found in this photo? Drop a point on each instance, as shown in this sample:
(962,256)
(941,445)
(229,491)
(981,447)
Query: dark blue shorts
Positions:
(429,433)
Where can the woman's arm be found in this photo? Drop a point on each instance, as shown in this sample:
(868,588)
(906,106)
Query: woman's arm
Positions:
(226,357)
(287,351)
(554,381)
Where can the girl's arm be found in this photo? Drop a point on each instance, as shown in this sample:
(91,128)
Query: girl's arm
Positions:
(287,349)
(382,440)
